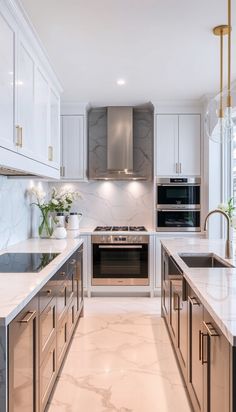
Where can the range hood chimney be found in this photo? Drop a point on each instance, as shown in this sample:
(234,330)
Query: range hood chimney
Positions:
(120,140)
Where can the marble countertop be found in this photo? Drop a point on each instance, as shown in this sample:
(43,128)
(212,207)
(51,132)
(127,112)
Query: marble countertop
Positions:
(17,289)
(215,287)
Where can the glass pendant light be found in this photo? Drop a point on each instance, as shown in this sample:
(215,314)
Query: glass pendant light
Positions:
(220,124)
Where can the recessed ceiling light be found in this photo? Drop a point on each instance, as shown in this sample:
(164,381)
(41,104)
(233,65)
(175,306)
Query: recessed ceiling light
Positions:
(121,82)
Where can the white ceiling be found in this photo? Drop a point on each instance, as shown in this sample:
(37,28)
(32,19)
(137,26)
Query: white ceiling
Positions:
(163,48)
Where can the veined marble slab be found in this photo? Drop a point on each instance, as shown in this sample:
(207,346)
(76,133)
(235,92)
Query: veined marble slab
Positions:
(17,289)
(215,287)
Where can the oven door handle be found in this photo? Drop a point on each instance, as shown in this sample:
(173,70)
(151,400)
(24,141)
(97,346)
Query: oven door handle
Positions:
(178,210)
(120,246)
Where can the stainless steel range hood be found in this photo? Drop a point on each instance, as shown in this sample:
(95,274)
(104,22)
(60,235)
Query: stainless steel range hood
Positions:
(120,148)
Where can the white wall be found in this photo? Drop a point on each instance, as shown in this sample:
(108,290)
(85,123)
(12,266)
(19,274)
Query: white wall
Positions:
(114,203)
(18,220)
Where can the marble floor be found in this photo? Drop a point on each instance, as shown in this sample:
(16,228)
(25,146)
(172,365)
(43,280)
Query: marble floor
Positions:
(120,360)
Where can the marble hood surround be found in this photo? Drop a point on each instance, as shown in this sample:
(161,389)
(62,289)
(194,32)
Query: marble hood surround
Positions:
(120,143)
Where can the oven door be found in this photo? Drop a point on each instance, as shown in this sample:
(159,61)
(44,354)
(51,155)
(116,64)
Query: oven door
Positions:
(118,264)
(187,195)
(170,220)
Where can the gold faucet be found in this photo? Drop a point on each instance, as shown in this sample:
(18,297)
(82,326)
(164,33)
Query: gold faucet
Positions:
(228,244)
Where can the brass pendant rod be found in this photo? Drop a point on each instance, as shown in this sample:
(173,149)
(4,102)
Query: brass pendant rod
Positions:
(229,98)
(221,114)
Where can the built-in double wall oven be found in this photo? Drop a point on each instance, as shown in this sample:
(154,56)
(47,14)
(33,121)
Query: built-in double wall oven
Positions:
(178,204)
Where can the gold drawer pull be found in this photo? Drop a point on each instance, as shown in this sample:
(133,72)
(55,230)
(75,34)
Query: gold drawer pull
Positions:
(63,273)
(28,317)
(210,329)
(193,301)
(49,292)
(72,262)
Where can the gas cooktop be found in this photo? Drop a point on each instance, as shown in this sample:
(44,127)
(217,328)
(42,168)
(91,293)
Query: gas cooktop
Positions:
(25,262)
(120,229)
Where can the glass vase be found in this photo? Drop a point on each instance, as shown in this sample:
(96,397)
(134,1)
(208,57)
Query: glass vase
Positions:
(46,226)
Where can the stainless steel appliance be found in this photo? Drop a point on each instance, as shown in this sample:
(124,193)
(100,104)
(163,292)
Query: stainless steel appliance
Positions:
(179,204)
(120,259)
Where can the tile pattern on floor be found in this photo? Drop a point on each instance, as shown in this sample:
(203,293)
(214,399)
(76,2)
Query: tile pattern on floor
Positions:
(120,360)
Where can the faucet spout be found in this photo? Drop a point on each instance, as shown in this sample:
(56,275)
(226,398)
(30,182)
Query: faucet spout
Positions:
(228,244)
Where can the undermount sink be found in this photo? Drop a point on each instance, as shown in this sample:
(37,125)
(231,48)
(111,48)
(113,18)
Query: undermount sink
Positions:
(203,260)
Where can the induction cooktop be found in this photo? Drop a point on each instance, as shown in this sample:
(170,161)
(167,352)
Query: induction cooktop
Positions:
(25,262)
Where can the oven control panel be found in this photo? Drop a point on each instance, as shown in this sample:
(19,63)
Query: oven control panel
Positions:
(121,239)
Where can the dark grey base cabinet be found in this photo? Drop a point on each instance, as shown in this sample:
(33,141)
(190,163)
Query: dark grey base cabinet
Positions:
(206,358)
(39,337)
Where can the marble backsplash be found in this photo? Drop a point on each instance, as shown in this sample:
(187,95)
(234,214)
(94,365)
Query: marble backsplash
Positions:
(18,219)
(113,203)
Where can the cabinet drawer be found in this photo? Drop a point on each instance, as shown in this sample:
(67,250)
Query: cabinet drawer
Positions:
(47,375)
(46,294)
(61,275)
(62,339)
(71,318)
(47,328)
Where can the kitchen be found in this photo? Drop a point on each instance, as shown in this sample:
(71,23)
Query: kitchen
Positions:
(115,144)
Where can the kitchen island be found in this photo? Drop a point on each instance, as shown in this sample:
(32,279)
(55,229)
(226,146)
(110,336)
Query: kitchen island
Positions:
(198,305)
(38,313)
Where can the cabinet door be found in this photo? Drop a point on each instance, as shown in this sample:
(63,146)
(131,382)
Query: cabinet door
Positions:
(54,143)
(41,116)
(23,356)
(195,312)
(190,144)
(174,310)
(25,100)
(47,328)
(183,327)
(73,151)
(47,375)
(216,360)
(167,145)
(7,84)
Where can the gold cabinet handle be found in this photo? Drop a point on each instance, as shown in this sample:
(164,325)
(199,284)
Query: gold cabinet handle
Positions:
(28,317)
(193,301)
(210,329)
(180,167)
(62,171)
(19,136)
(50,153)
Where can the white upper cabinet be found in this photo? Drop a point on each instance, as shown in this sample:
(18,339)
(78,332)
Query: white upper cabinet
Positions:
(7,83)
(29,99)
(190,144)
(73,147)
(178,145)
(41,116)
(25,100)
(167,145)
(54,141)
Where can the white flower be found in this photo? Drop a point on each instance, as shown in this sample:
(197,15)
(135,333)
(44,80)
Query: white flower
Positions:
(55,202)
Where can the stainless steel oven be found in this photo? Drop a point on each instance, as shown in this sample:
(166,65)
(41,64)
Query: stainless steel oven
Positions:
(120,260)
(178,204)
